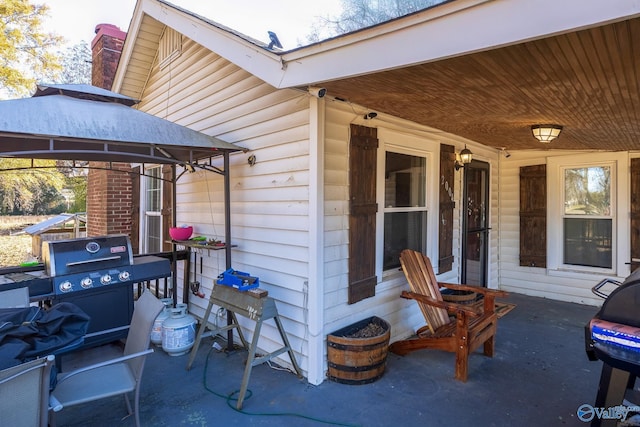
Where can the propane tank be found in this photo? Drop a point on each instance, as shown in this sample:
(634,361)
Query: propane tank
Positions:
(178,331)
(156,331)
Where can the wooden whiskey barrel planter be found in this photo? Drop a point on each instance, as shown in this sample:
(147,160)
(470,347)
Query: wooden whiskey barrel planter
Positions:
(358,360)
(459,297)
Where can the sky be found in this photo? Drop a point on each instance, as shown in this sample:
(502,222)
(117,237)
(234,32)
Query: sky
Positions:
(291,20)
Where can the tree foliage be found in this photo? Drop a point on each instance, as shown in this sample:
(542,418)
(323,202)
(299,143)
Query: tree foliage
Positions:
(26,190)
(26,51)
(76,65)
(78,186)
(357,14)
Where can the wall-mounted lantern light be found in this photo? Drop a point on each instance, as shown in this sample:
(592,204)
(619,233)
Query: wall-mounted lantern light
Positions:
(465,158)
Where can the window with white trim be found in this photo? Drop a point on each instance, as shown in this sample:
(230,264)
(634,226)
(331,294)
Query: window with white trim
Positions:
(405,206)
(588,213)
(152,238)
(588,216)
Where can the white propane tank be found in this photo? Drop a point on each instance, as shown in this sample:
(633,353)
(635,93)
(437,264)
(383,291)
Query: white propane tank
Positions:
(178,331)
(156,331)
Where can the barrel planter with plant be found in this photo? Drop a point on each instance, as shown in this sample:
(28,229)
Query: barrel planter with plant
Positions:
(357,354)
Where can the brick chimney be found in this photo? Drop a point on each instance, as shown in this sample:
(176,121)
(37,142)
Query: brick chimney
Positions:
(106,49)
(109,200)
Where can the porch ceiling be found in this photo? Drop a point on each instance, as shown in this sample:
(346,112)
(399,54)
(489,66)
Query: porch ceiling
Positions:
(586,81)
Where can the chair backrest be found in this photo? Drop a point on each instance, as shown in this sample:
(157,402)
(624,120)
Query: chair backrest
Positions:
(422,280)
(145,311)
(24,393)
(14,298)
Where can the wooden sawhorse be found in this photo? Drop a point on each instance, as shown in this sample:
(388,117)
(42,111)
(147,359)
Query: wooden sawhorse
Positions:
(255,305)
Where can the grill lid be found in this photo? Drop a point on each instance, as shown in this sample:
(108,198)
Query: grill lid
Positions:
(622,304)
(62,257)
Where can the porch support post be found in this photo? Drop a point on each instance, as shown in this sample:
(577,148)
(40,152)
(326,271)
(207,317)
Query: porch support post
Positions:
(315,282)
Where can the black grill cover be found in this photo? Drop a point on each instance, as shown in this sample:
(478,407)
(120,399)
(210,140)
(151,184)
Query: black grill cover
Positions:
(621,306)
(27,333)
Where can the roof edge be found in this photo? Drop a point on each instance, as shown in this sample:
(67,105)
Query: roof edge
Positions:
(458,28)
(242,50)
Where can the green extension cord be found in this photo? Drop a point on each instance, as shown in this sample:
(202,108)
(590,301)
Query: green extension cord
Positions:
(230,399)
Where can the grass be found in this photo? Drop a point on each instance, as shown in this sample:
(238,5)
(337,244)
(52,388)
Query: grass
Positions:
(16,249)
(13,223)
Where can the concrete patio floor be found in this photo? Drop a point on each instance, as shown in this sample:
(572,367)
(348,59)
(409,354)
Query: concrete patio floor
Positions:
(539,376)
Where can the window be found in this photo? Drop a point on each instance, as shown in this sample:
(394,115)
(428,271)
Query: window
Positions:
(588,217)
(405,208)
(152,238)
(588,214)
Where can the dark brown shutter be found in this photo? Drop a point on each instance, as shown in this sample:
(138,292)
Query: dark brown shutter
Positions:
(135,209)
(446,206)
(167,205)
(533,216)
(362,212)
(635,212)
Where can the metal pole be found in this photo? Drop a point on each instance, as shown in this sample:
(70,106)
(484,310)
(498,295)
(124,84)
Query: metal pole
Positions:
(227,210)
(227,237)
(174,256)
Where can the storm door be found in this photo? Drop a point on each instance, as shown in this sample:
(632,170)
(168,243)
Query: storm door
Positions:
(475,223)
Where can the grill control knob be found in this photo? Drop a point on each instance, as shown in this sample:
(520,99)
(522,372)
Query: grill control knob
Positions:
(66,286)
(86,283)
(124,276)
(105,280)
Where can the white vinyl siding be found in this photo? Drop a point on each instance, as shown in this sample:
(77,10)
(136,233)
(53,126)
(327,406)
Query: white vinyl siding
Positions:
(269,201)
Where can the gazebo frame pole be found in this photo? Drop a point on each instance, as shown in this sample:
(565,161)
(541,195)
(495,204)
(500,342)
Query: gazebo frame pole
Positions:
(227,236)
(174,255)
(227,210)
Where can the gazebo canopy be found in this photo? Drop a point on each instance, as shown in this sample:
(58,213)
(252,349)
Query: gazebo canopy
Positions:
(83,122)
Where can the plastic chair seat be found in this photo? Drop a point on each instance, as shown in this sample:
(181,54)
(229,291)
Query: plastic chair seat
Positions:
(106,381)
(119,375)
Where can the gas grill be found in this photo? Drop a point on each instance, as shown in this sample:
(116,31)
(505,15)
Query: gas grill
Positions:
(613,336)
(96,274)
(84,264)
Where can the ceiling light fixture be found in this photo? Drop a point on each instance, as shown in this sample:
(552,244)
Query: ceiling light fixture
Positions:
(546,133)
(465,158)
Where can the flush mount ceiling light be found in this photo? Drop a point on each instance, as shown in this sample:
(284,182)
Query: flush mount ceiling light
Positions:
(465,158)
(546,133)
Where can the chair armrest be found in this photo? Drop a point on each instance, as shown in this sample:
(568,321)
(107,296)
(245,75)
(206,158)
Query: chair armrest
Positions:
(64,376)
(54,404)
(483,291)
(441,304)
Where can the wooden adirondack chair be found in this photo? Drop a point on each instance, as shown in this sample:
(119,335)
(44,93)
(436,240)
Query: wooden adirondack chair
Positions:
(450,327)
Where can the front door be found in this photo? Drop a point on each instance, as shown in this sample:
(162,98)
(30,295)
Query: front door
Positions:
(475,223)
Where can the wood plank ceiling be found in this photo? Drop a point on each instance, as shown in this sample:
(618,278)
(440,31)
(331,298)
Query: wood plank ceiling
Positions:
(586,81)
